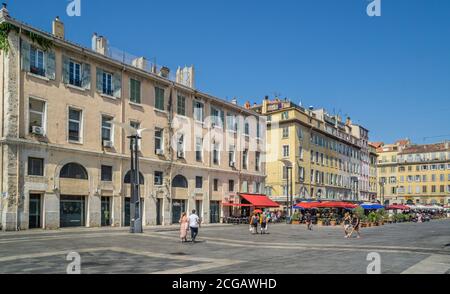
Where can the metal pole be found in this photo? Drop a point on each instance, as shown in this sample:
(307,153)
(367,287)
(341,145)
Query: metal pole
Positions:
(132,186)
(137,196)
(292,195)
(287,198)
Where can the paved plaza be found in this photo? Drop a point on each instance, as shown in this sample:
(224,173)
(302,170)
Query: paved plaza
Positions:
(229,249)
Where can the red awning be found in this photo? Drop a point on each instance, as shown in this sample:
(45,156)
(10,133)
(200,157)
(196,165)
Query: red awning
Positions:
(307,205)
(260,201)
(235,205)
(398,207)
(312,205)
(337,205)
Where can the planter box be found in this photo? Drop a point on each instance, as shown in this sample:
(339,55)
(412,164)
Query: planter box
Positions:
(295,222)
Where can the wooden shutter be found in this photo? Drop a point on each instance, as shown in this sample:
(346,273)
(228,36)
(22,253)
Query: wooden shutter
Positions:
(99,80)
(65,69)
(86,76)
(117,85)
(50,65)
(25,55)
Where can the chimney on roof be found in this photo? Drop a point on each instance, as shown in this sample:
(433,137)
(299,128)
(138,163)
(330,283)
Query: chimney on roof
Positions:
(247,105)
(185,76)
(348,122)
(58,28)
(234,101)
(164,72)
(4,11)
(99,44)
(140,63)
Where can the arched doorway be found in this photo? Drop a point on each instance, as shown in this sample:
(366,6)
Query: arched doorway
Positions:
(127,179)
(74,187)
(179,188)
(127,200)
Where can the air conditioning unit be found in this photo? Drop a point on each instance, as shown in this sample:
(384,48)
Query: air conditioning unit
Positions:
(180,154)
(37,130)
(159,152)
(232,164)
(107,144)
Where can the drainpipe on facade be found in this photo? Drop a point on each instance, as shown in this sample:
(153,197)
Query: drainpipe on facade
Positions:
(19,95)
(171,155)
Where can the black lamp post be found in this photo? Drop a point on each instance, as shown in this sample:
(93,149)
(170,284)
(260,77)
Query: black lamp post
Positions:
(382,183)
(135,204)
(290,198)
(135,207)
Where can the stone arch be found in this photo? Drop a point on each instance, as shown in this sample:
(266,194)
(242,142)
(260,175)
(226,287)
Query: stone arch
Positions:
(74,170)
(180,181)
(127,178)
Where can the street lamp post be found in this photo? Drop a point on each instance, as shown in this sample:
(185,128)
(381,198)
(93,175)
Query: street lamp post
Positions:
(290,198)
(135,207)
(382,183)
(135,204)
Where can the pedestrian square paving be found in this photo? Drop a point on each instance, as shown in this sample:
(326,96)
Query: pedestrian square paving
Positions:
(231,249)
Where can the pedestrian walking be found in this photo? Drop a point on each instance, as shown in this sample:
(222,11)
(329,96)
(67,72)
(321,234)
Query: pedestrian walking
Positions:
(263,221)
(255,221)
(194,225)
(184,226)
(347,224)
(356,224)
(308,218)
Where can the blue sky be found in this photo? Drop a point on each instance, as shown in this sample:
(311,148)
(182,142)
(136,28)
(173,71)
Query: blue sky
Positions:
(389,73)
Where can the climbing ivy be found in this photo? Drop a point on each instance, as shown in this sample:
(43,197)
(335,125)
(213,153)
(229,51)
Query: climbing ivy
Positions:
(5,29)
(44,43)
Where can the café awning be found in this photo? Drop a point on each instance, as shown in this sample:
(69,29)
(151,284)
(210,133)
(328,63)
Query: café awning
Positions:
(398,207)
(330,204)
(259,201)
(307,205)
(372,206)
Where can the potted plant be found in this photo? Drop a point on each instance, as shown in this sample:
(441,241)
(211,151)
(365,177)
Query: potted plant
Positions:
(364,222)
(381,216)
(372,218)
(333,222)
(296,219)
(319,221)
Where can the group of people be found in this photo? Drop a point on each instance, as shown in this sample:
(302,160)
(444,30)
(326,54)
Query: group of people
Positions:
(189,223)
(262,220)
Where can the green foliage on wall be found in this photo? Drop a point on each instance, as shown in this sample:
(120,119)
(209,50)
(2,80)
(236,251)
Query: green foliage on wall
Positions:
(6,28)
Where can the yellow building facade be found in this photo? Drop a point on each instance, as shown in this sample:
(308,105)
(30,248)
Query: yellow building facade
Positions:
(328,157)
(415,174)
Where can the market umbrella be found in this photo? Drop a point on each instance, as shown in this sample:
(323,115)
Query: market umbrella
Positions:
(338,204)
(257,211)
(398,207)
(307,205)
(372,206)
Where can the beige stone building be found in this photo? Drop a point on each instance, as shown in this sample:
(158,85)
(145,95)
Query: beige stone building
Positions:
(64,163)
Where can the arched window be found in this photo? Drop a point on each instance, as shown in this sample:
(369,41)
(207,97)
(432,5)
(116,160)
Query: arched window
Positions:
(73,171)
(179,182)
(127,179)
